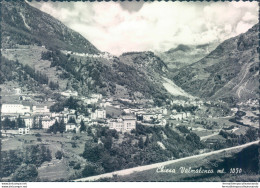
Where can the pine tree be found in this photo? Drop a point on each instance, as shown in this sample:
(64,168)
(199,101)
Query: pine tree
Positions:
(62,126)
(82,126)
(55,127)
(34,125)
(40,123)
(20,122)
(147,141)
(141,143)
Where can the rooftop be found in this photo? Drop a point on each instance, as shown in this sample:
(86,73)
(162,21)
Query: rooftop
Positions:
(129,118)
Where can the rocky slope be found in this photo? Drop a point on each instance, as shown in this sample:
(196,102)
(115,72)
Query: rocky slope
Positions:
(230,72)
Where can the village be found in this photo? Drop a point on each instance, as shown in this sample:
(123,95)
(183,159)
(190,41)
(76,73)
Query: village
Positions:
(110,112)
(120,114)
(78,125)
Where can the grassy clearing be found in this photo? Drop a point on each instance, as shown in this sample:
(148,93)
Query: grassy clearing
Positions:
(31,54)
(55,170)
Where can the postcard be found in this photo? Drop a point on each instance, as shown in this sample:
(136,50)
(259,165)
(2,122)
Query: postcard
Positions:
(129,91)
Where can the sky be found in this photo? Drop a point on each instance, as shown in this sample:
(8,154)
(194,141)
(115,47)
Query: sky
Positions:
(118,27)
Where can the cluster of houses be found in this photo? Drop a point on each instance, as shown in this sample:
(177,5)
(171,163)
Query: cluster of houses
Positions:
(104,55)
(72,119)
(179,115)
(126,121)
(186,103)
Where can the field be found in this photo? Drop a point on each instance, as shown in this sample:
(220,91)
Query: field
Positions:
(31,54)
(55,170)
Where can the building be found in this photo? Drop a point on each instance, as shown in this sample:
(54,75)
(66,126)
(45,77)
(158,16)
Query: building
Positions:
(94,98)
(126,123)
(28,120)
(98,114)
(159,116)
(116,124)
(23,130)
(40,110)
(17,91)
(72,116)
(97,96)
(179,116)
(69,93)
(127,110)
(129,123)
(47,122)
(72,127)
(91,100)
(163,122)
(15,109)
(148,117)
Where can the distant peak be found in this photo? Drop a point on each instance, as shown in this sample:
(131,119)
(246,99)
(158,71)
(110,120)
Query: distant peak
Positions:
(180,47)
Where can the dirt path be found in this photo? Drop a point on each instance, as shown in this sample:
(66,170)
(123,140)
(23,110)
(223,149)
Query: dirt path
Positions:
(156,165)
(206,137)
(244,74)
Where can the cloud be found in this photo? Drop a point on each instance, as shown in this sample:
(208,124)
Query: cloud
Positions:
(140,26)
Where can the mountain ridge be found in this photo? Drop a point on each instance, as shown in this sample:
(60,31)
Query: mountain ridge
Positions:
(183,54)
(222,72)
(19,28)
(74,68)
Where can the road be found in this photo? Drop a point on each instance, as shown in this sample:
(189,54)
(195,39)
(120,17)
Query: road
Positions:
(156,165)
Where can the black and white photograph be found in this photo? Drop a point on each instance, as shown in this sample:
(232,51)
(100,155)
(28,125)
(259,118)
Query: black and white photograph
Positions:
(129,91)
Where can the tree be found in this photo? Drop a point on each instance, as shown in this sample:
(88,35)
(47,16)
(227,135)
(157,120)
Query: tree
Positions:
(108,142)
(71,103)
(53,85)
(77,166)
(55,127)
(48,155)
(6,123)
(93,153)
(82,126)
(25,173)
(34,124)
(141,143)
(59,155)
(89,131)
(20,122)
(72,120)
(89,170)
(45,153)
(40,123)
(62,126)
(251,134)
(147,141)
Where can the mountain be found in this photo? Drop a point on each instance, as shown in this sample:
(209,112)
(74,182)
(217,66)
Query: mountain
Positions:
(185,54)
(37,44)
(131,74)
(230,72)
(23,24)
